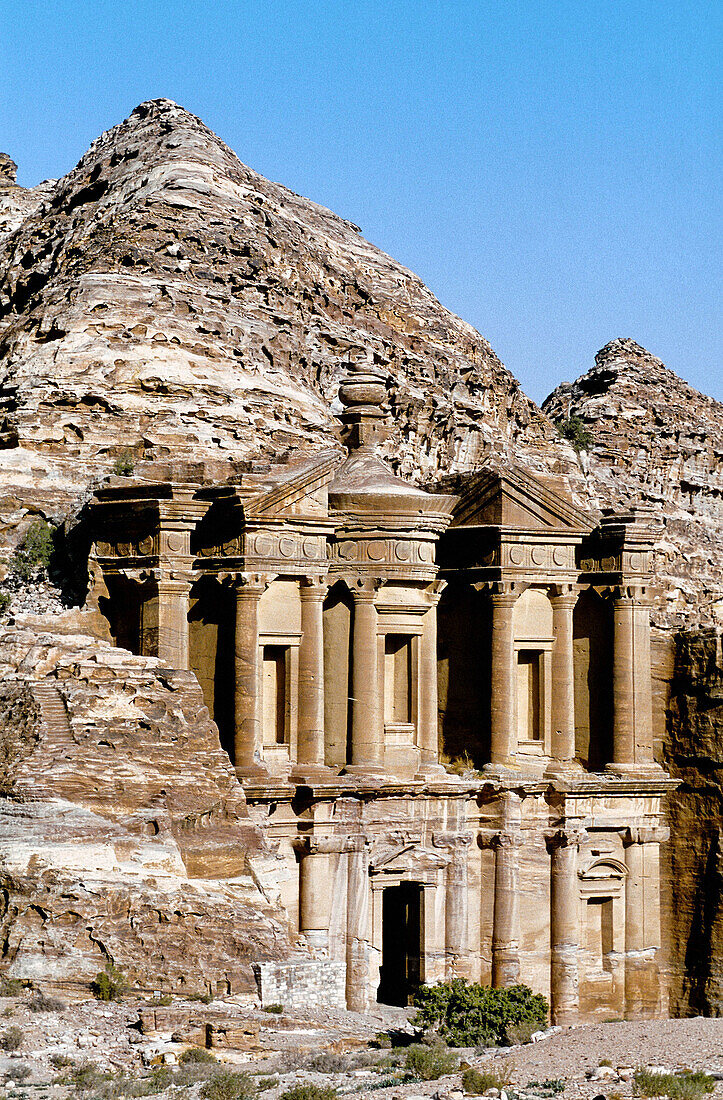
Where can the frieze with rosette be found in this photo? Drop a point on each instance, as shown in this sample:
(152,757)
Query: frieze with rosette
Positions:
(386,551)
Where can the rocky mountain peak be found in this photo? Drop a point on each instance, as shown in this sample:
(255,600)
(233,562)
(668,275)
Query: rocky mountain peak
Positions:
(8,171)
(164,302)
(657,441)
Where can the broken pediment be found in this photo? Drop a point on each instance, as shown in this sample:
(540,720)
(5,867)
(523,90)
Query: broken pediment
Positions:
(406,859)
(516,498)
(300,489)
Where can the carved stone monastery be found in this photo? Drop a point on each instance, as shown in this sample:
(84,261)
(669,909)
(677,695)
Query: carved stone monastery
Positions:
(352,633)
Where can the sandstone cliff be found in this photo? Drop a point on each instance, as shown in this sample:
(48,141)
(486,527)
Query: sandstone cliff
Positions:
(694,755)
(658,441)
(124,834)
(166,300)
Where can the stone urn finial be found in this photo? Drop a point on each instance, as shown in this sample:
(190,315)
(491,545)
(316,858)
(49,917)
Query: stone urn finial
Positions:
(362,392)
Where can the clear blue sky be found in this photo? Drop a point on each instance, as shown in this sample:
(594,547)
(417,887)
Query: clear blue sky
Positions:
(548,168)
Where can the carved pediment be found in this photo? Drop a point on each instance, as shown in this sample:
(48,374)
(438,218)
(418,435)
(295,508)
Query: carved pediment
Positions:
(300,491)
(516,498)
(406,859)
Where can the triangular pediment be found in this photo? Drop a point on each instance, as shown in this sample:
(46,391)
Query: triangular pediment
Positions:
(300,490)
(516,498)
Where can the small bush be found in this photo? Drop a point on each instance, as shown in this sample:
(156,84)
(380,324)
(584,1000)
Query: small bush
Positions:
(551,1087)
(382,1041)
(11,987)
(61,1061)
(18,1073)
(41,1002)
(226,1085)
(328,1063)
(277,1009)
(574,430)
(516,1034)
(110,984)
(12,1038)
(160,1002)
(195,1055)
(309,1092)
(87,1076)
(465,1014)
(476,1082)
(429,1063)
(124,465)
(204,998)
(35,551)
(5,601)
(265,1083)
(678,1086)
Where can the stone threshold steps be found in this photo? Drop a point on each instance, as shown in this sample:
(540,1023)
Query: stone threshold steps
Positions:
(53,714)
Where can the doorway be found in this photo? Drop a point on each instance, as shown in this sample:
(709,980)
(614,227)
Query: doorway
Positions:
(400,973)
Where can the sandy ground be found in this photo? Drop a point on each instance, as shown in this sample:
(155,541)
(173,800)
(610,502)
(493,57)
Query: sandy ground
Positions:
(581,1062)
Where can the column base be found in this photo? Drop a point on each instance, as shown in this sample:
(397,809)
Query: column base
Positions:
(564,769)
(312,773)
(362,770)
(650,768)
(252,771)
(433,771)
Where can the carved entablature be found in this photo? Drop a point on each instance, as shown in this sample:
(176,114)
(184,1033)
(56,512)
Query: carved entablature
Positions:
(620,550)
(144,525)
(385,556)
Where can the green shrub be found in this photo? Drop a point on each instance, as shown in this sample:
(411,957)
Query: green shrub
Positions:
(11,987)
(678,1086)
(160,1002)
(35,551)
(226,1085)
(196,1055)
(110,984)
(476,1082)
(124,464)
(204,998)
(61,1061)
(574,430)
(465,1014)
(12,1038)
(277,1009)
(429,1062)
(551,1086)
(5,600)
(87,1076)
(309,1092)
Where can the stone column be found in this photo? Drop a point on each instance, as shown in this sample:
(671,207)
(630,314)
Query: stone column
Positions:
(623,681)
(642,922)
(172,608)
(564,925)
(643,682)
(247,721)
(506,916)
(563,678)
(503,729)
(428,717)
(314,891)
(367,742)
(455,901)
(311,677)
(357,920)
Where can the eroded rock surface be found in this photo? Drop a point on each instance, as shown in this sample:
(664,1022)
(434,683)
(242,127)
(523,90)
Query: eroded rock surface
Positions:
(166,300)
(658,441)
(124,834)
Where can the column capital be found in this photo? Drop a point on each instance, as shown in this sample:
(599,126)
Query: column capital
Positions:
(654,834)
(363,589)
(564,595)
(506,593)
(252,585)
(313,587)
(358,842)
(564,838)
(496,839)
(639,594)
(451,840)
(319,845)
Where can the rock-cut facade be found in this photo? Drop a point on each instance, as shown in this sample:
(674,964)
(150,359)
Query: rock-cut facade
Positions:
(439,708)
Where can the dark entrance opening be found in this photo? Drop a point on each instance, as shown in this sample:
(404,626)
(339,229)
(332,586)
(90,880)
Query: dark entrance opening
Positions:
(401,943)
